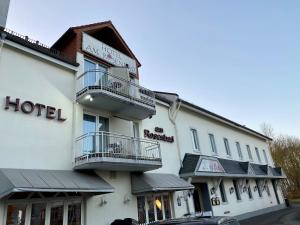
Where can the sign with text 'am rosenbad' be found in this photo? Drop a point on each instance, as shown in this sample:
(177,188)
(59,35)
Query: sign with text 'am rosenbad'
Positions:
(103,51)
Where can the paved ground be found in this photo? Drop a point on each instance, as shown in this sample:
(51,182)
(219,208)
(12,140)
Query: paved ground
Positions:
(288,216)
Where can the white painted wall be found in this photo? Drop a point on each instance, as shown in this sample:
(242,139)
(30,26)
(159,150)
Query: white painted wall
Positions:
(31,141)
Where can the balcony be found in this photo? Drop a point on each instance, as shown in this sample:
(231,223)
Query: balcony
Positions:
(114,152)
(121,97)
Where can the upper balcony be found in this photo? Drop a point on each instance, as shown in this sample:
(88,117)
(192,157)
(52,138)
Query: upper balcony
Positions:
(115,152)
(122,97)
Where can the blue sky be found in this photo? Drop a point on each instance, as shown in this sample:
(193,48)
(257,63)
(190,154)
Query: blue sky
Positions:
(239,59)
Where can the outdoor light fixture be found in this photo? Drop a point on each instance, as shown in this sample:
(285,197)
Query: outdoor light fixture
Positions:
(89,97)
(231,190)
(158,203)
(102,202)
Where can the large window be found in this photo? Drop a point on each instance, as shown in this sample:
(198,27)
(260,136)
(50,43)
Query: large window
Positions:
(195,139)
(239,150)
(265,156)
(213,144)
(227,147)
(223,192)
(152,208)
(249,153)
(236,190)
(258,155)
(93,73)
(17,214)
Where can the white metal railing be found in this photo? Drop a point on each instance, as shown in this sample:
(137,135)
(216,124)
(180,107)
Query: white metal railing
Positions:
(105,144)
(97,79)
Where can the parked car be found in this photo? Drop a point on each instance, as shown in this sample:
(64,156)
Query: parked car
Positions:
(194,220)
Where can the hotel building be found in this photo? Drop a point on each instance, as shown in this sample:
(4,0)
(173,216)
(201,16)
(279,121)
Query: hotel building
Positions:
(83,142)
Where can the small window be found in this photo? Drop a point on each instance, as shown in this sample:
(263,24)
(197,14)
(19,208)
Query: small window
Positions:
(249,189)
(258,188)
(238,147)
(249,153)
(257,154)
(222,191)
(195,139)
(265,156)
(213,143)
(227,148)
(236,190)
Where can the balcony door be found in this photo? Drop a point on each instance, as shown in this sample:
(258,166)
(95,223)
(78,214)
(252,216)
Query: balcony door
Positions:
(95,128)
(94,73)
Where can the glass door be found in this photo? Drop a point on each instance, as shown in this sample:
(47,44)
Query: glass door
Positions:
(57,214)
(90,77)
(89,129)
(104,139)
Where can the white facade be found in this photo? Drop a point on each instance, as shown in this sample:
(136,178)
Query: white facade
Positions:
(35,142)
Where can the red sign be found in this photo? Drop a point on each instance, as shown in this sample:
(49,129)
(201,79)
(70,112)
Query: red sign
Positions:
(159,137)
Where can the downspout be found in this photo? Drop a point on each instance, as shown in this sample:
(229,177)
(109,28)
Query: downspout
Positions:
(2,38)
(172,117)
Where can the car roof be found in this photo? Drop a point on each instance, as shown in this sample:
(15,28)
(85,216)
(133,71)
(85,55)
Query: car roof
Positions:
(197,220)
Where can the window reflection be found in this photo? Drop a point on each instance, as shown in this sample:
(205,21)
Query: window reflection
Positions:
(38,213)
(74,214)
(16,214)
(57,215)
(151,215)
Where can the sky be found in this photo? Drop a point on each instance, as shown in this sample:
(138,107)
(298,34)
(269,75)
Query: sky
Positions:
(239,59)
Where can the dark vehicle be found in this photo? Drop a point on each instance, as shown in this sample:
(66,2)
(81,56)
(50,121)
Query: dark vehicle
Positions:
(200,221)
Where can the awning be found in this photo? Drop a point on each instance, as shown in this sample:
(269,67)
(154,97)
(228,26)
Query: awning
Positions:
(157,182)
(25,180)
(208,166)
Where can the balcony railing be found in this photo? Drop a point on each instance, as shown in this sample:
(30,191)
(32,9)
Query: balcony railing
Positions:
(105,150)
(99,80)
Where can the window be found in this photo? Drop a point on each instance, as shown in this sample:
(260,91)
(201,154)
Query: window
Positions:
(249,153)
(238,147)
(268,189)
(258,188)
(223,192)
(152,208)
(227,148)
(93,73)
(265,156)
(38,214)
(236,190)
(57,214)
(16,214)
(257,154)
(195,139)
(213,143)
(249,189)
(74,214)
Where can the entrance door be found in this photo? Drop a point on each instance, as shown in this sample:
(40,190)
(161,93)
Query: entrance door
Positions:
(90,78)
(201,198)
(275,191)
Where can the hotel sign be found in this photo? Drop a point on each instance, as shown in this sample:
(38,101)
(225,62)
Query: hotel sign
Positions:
(107,53)
(29,107)
(158,135)
(210,165)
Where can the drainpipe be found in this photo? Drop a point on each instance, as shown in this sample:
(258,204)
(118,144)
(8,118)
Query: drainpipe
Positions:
(173,112)
(2,38)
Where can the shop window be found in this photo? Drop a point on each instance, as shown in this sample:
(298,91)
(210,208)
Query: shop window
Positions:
(38,214)
(195,139)
(223,192)
(57,215)
(141,209)
(213,143)
(237,190)
(16,214)
(227,148)
(152,208)
(249,153)
(74,214)
(238,147)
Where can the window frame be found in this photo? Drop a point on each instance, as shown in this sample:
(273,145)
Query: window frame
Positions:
(195,141)
(213,145)
(250,156)
(237,190)
(249,190)
(223,192)
(258,155)
(227,147)
(239,150)
(259,191)
(265,156)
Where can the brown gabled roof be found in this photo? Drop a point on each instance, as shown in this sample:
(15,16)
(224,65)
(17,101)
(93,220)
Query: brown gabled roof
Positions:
(90,27)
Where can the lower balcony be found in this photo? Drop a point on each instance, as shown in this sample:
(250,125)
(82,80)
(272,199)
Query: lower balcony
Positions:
(115,152)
